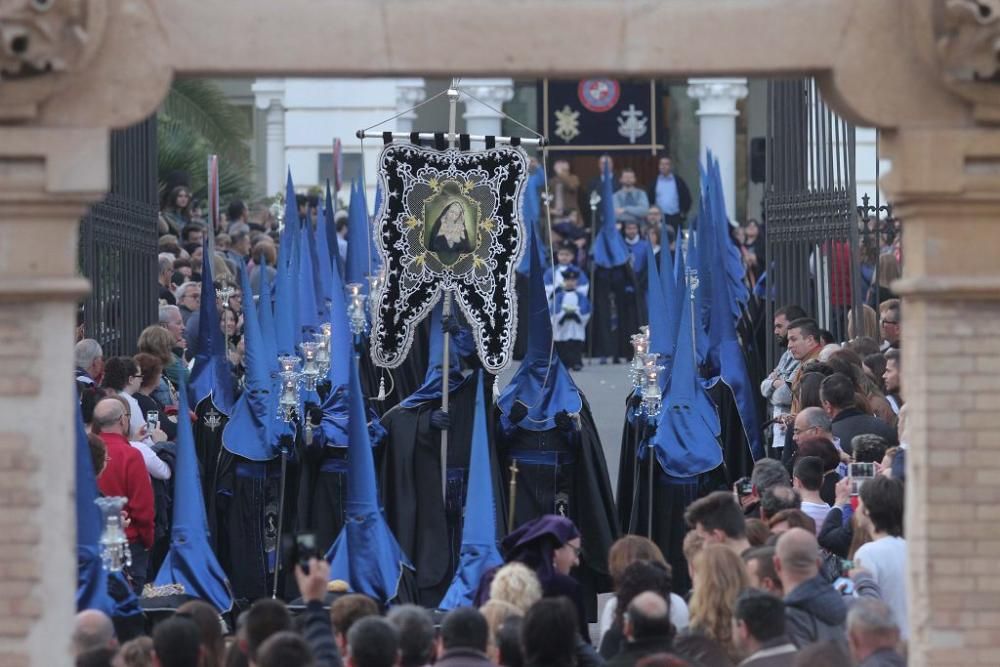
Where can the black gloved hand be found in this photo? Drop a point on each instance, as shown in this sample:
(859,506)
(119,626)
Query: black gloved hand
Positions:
(635,400)
(286,443)
(323,387)
(565,421)
(450,325)
(314,412)
(573,317)
(440,420)
(517,412)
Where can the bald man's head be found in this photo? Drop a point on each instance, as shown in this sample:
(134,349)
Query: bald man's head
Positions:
(796,556)
(648,616)
(92,629)
(107,416)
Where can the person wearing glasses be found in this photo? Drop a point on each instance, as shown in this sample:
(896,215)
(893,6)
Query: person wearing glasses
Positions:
(550,545)
(892,325)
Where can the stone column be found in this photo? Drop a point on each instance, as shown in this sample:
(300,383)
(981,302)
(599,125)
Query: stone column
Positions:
(717,116)
(409,93)
(951,383)
(480,118)
(269,95)
(47,179)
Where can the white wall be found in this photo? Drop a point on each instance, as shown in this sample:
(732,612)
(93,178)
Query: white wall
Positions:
(318,110)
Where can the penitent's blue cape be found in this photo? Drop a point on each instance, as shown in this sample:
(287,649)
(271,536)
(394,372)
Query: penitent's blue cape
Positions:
(542,382)
(190,562)
(366,553)
(479,551)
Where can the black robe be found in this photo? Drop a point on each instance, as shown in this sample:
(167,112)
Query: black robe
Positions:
(581,488)
(428,529)
(620,312)
(246,502)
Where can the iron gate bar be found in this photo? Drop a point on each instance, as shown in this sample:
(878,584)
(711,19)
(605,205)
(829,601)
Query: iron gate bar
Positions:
(811,233)
(118,244)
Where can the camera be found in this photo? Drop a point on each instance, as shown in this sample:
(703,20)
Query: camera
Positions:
(298,549)
(152,420)
(744,487)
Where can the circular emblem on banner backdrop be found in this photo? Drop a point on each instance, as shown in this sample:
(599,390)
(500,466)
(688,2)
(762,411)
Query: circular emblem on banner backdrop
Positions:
(598,94)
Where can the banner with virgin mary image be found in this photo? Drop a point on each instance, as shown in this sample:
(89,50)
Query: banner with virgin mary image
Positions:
(451,221)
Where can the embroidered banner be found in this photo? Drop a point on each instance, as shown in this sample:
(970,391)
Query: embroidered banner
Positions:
(451,221)
(601,114)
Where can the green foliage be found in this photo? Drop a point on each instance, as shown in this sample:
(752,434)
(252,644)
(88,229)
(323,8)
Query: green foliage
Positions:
(196,121)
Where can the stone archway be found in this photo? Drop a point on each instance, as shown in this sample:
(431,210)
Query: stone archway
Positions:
(905,67)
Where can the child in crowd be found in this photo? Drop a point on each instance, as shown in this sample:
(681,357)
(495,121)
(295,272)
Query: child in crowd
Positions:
(570,312)
(564,262)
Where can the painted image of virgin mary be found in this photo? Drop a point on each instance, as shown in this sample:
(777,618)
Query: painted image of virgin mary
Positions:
(448,234)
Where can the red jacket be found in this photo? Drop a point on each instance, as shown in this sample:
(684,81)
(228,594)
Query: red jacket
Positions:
(126,475)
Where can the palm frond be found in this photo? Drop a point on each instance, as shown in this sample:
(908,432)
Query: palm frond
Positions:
(196,121)
(200,105)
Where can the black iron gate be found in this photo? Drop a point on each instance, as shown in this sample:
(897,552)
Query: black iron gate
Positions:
(118,251)
(812,235)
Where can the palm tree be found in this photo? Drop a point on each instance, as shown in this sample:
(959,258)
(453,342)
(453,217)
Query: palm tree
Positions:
(194,122)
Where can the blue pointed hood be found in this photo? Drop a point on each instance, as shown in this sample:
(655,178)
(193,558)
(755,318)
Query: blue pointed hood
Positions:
(731,259)
(479,551)
(211,375)
(191,561)
(265,320)
(91,578)
(335,406)
(686,438)
(730,360)
(660,332)
(532,215)
(324,262)
(269,340)
(668,283)
(366,553)
(249,432)
(609,249)
(430,390)
(541,382)
(287,331)
(358,240)
(308,301)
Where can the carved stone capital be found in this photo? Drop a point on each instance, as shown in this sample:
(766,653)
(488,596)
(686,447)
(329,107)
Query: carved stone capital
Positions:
(492,92)
(87,63)
(966,37)
(409,93)
(717,97)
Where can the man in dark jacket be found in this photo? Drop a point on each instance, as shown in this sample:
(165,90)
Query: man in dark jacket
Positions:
(760,630)
(647,628)
(814,610)
(464,634)
(837,395)
(670,193)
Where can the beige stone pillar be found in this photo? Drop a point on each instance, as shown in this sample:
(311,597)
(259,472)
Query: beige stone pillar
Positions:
(46,181)
(951,382)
